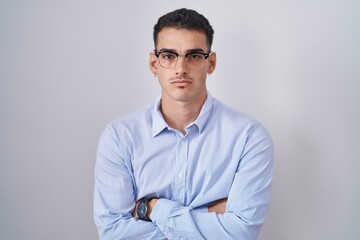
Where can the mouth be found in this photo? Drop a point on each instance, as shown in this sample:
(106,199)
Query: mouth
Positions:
(181,82)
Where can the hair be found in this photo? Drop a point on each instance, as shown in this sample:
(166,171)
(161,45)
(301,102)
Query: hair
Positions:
(185,19)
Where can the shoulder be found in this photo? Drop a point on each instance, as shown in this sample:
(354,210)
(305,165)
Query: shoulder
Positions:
(223,111)
(237,122)
(133,119)
(121,134)
(128,125)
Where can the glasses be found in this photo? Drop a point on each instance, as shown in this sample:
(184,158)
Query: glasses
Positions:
(169,59)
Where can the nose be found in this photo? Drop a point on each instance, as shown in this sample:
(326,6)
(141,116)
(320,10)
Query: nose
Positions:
(181,65)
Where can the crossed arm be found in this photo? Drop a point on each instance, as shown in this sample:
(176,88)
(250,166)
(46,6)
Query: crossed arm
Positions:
(239,216)
(216,207)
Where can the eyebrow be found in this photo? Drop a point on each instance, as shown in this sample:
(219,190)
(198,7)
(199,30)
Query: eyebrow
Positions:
(194,50)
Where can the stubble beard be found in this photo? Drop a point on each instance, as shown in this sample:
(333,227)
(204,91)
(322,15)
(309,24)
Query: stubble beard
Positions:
(181,94)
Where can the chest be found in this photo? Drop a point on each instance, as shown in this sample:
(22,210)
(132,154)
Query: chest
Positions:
(190,170)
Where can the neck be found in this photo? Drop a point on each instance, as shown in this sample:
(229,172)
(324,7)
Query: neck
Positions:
(179,114)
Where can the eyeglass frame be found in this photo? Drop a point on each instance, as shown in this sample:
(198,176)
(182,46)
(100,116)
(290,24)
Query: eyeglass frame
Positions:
(157,54)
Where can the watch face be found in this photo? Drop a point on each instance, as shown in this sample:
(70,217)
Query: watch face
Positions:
(142,210)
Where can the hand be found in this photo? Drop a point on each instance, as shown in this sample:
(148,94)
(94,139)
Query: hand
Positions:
(219,206)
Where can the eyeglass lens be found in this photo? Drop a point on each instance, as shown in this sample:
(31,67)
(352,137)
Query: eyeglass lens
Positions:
(170,59)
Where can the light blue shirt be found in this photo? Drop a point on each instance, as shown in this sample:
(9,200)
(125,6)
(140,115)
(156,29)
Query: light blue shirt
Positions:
(224,154)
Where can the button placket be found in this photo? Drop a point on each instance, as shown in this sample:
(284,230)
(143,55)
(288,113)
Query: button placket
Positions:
(181,161)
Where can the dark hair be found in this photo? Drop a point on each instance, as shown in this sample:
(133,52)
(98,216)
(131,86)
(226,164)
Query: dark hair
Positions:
(185,19)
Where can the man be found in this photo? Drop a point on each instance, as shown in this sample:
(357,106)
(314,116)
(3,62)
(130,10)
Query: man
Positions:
(186,167)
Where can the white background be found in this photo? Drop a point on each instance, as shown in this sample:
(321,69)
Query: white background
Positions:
(67,68)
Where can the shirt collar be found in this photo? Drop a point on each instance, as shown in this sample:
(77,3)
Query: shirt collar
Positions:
(159,123)
(205,112)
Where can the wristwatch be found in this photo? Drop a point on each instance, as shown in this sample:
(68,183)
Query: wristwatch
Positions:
(142,209)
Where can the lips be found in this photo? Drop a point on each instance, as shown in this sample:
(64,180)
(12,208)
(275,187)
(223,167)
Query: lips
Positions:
(181,82)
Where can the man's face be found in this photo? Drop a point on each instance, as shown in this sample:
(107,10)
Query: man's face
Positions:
(183,82)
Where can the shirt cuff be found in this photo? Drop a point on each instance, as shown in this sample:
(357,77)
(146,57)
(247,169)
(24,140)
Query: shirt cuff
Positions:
(162,210)
(202,209)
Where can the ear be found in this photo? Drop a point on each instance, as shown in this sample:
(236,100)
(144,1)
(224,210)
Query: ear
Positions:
(152,63)
(212,62)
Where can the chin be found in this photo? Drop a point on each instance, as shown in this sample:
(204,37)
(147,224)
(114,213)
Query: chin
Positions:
(185,97)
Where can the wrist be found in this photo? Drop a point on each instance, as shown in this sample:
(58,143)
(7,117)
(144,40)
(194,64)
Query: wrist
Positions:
(145,207)
(151,205)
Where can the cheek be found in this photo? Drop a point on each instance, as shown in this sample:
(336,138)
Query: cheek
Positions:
(162,76)
(202,75)
(165,74)
(163,79)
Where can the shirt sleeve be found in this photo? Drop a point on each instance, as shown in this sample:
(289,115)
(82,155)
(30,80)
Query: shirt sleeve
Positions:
(248,200)
(114,198)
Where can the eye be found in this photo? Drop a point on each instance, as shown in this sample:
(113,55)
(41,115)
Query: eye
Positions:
(168,55)
(195,56)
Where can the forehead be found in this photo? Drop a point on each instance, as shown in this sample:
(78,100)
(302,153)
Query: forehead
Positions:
(181,39)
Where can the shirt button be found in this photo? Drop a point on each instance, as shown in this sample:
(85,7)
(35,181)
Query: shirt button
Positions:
(182,142)
(180,175)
